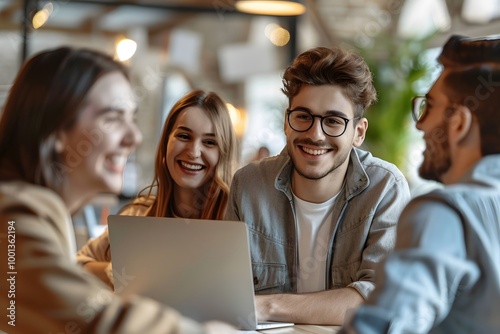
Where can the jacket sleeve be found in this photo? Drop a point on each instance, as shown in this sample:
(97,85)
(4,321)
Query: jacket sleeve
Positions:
(381,236)
(95,250)
(49,292)
(417,284)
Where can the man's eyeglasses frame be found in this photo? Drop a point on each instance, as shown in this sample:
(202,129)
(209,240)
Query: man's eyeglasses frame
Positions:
(321,118)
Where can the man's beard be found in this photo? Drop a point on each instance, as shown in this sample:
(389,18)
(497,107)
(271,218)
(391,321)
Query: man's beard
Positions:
(339,160)
(437,159)
(311,176)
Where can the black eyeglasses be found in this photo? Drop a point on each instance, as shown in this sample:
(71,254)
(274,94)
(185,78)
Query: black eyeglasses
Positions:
(418,107)
(332,126)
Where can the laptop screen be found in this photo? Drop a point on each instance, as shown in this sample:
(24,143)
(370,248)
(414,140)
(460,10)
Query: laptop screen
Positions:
(199,267)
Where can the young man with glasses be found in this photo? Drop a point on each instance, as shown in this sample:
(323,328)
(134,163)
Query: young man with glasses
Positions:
(323,212)
(444,276)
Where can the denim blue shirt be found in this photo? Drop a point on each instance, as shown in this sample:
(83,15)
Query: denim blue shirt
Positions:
(363,231)
(444,276)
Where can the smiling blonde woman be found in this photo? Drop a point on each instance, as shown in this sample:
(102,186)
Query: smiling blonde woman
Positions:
(193,168)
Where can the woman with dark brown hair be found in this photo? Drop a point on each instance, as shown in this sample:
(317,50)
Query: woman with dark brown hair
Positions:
(66,131)
(193,169)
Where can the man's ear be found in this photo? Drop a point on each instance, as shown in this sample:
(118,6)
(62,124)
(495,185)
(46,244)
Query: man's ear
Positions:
(460,123)
(360,132)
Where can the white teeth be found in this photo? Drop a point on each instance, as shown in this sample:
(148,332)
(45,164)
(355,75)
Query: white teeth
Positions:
(190,166)
(313,152)
(119,160)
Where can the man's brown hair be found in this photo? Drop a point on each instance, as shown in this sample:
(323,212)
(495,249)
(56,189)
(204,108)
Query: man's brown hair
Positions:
(332,66)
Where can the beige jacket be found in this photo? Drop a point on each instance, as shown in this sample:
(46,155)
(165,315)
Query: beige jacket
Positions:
(43,290)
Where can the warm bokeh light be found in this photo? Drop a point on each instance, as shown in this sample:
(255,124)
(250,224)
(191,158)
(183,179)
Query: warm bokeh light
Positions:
(280,36)
(268,7)
(238,118)
(270,28)
(277,35)
(125,49)
(41,17)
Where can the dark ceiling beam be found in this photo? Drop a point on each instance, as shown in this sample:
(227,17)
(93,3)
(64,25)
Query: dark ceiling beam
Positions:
(292,25)
(29,7)
(220,7)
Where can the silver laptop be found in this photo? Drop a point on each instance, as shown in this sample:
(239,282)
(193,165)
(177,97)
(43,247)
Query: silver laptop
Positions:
(199,267)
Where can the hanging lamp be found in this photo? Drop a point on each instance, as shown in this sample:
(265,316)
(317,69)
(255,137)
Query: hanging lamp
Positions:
(271,7)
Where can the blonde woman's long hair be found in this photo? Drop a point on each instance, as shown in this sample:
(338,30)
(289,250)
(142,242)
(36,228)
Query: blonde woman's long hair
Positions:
(212,198)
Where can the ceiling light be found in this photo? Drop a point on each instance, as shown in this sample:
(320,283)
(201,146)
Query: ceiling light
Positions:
(41,17)
(277,35)
(125,49)
(271,7)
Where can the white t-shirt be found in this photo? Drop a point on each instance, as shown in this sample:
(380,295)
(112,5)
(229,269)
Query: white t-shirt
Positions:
(314,223)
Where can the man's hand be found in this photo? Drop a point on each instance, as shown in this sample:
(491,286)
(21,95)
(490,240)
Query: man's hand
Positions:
(319,308)
(262,307)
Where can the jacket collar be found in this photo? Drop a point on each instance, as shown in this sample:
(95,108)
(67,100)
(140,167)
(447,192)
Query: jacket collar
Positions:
(486,171)
(356,179)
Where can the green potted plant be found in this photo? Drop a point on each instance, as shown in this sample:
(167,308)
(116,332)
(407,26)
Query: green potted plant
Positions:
(398,66)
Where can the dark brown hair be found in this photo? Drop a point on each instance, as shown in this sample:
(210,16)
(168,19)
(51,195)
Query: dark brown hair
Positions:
(332,66)
(46,97)
(473,80)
